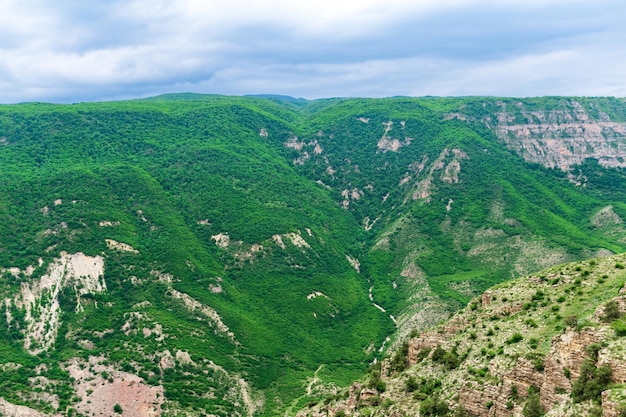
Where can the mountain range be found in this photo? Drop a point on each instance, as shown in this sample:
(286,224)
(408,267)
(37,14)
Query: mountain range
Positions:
(208,255)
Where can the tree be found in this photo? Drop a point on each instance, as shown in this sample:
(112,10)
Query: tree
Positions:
(433,406)
(118,409)
(591,383)
(533,407)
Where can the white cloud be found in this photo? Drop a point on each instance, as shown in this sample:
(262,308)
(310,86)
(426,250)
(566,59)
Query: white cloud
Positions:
(72,51)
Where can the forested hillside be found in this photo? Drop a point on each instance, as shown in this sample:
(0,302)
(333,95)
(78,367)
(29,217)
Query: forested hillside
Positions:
(245,255)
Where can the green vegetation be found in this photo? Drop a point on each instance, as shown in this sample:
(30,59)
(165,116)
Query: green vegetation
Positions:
(524,342)
(155,169)
(532,406)
(435,209)
(592,381)
(434,406)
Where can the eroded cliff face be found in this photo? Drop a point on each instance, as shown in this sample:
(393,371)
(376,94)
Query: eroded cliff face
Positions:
(40,298)
(101,383)
(539,342)
(560,138)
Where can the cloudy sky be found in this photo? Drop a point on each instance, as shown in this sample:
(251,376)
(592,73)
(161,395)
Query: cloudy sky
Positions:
(85,50)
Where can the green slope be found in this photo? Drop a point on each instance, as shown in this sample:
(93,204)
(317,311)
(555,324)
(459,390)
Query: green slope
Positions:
(158,169)
(250,207)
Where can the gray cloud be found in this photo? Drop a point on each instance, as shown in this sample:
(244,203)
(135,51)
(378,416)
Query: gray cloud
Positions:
(71,51)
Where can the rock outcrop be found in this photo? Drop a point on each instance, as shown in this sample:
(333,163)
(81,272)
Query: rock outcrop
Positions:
(562,138)
(517,345)
(40,298)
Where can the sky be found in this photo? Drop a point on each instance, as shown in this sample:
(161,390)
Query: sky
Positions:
(95,50)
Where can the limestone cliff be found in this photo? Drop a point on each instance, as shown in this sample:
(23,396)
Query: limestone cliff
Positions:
(560,138)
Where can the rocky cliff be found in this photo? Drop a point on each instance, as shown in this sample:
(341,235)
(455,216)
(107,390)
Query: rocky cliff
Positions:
(550,343)
(562,137)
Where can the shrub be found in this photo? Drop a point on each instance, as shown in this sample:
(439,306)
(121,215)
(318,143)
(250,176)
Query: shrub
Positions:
(592,350)
(515,338)
(571,321)
(411,384)
(423,354)
(387,403)
(399,360)
(429,386)
(376,382)
(620,327)
(380,385)
(538,361)
(450,360)
(438,354)
(532,407)
(433,406)
(118,409)
(591,383)
(611,311)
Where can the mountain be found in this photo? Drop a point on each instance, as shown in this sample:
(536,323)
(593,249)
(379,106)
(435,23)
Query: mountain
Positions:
(548,344)
(189,254)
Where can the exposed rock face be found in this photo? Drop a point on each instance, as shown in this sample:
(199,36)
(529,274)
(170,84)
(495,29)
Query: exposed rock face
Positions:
(562,138)
(568,352)
(11,410)
(99,395)
(504,351)
(448,162)
(122,247)
(40,297)
(477,402)
(387,143)
(213,317)
(419,344)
